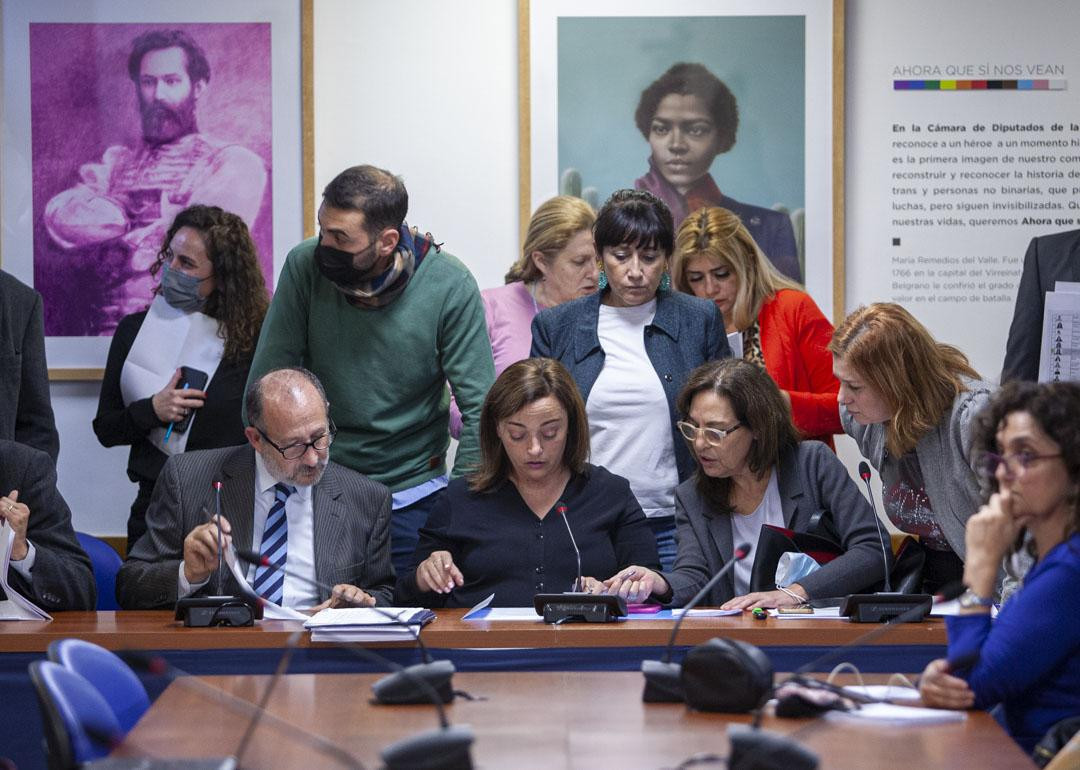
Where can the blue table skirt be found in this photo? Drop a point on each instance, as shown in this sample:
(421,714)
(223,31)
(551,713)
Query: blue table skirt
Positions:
(20,720)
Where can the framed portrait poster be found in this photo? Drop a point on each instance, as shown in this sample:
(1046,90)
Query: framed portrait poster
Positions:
(118,115)
(731,103)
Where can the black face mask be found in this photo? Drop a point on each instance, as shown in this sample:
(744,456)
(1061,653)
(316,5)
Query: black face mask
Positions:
(337,265)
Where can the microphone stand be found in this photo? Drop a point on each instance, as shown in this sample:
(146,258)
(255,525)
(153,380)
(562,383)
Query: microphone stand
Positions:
(217,610)
(577,606)
(884,606)
(662,677)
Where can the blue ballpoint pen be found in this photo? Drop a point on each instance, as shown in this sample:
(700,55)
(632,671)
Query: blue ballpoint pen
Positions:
(172,424)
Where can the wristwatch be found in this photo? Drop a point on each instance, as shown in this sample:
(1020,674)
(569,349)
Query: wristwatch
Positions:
(970,600)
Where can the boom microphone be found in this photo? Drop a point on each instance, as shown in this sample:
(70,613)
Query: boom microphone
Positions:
(864,474)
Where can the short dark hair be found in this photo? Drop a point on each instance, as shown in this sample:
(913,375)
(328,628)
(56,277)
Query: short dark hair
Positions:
(253,398)
(759,408)
(635,217)
(1055,406)
(519,385)
(198,68)
(374,192)
(688,79)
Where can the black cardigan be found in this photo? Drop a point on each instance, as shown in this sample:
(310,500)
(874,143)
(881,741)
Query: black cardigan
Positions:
(218,423)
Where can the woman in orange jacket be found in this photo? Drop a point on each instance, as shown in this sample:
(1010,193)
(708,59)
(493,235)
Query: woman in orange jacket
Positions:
(781,327)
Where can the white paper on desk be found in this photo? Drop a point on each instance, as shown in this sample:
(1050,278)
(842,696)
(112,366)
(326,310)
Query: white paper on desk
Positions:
(478,608)
(513,613)
(271,611)
(16,606)
(819,613)
(944,609)
(890,692)
(703,613)
(888,713)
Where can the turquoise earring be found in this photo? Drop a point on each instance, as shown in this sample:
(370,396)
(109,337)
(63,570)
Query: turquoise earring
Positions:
(665,282)
(601,282)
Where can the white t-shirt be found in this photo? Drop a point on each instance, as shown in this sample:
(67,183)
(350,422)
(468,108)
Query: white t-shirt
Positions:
(747,529)
(629,421)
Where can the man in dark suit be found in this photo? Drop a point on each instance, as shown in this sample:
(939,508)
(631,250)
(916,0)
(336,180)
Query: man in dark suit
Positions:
(26,413)
(281,497)
(1049,259)
(46,566)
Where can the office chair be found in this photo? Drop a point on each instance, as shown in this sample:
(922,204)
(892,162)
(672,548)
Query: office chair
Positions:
(79,725)
(106,563)
(109,675)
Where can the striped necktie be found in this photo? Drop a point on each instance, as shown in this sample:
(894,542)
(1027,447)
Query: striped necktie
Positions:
(270,582)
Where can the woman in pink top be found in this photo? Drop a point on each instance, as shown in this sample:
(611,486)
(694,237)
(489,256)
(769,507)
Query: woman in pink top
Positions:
(557,264)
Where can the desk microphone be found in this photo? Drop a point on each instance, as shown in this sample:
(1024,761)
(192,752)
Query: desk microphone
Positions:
(218,610)
(864,474)
(576,605)
(220,543)
(401,687)
(560,508)
(662,677)
(884,605)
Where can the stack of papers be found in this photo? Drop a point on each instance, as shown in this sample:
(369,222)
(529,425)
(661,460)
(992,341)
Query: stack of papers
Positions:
(368,624)
(15,606)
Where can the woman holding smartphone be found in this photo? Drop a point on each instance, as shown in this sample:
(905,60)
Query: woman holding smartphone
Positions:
(209,304)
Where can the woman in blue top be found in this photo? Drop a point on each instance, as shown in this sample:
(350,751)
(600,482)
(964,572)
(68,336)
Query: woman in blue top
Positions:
(1028,660)
(630,348)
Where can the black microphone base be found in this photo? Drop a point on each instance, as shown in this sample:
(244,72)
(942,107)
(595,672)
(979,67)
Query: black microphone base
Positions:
(445,749)
(765,750)
(205,611)
(579,607)
(406,686)
(663,682)
(886,607)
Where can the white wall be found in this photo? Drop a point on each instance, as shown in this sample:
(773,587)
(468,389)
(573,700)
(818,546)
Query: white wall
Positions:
(425,89)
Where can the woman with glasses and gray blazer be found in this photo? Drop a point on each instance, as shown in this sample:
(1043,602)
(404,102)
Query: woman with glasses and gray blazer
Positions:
(753,472)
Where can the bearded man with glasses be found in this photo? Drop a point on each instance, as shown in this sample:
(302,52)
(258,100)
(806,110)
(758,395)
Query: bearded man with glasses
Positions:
(280,496)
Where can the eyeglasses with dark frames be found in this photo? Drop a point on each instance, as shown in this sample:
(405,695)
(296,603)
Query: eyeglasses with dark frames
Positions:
(298,450)
(713,436)
(1015,464)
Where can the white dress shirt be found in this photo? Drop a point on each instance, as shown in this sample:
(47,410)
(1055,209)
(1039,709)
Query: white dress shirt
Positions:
(300,517)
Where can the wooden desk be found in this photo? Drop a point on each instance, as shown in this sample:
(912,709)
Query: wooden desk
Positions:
(471,646)
(532,720)
(158,631)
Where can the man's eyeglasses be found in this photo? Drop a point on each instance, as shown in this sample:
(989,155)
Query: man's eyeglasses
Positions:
(298,450)
(713,436)
(1015,464)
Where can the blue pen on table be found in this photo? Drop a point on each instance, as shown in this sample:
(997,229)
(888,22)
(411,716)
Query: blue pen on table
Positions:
(172,424)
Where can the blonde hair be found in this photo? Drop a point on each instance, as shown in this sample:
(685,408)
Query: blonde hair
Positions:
(917,376)
(720,235)
(553,224)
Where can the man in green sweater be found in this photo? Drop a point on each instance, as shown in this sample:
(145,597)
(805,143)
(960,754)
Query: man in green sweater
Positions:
(384,318)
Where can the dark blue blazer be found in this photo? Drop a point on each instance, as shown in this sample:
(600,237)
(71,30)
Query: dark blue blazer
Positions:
(686,333)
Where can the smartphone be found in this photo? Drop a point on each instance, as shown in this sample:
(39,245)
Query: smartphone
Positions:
(194,379)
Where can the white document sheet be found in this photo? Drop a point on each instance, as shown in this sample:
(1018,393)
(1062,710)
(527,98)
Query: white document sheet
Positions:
(1059,357)
(888,713)
(168,339)
(16,606)
(271,611)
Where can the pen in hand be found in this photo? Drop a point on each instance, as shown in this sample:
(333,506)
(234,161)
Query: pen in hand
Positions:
(172,424)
